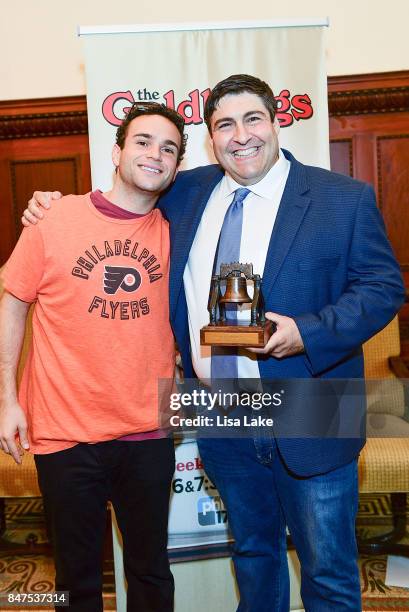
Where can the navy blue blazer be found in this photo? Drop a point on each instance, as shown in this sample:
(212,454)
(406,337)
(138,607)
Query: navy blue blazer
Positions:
(329,265)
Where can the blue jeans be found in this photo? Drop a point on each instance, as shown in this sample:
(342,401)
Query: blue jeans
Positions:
(262,497)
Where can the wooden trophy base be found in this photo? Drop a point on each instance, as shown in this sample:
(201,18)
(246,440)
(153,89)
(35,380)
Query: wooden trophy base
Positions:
(240,334)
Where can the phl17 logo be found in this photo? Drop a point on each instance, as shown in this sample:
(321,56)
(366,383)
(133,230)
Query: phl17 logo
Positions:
(211,511)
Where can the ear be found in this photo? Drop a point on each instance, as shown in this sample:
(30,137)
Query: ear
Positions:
(116,155)
(176,171)
(276,125)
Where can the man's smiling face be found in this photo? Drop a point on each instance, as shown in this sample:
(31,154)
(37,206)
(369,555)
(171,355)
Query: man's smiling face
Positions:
(149,157)
(245,140)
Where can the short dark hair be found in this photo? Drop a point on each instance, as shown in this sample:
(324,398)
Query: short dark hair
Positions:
(152,108)
(237,84)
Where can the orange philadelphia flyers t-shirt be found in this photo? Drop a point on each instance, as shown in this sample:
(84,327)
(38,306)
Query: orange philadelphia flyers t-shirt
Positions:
(101,332)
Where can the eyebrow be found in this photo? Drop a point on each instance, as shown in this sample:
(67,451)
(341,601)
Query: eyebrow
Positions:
(171,142)
(149,137)
(245,116)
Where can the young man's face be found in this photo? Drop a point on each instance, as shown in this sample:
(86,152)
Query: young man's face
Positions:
(244,138)
(148,160)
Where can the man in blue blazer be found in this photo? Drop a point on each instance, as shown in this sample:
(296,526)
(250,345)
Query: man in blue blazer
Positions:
(330,282)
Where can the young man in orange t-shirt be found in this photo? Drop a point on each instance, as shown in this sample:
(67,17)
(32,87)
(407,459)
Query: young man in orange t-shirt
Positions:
(88,405)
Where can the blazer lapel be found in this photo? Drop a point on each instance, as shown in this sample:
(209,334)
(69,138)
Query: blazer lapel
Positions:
(293,206)
(184,234)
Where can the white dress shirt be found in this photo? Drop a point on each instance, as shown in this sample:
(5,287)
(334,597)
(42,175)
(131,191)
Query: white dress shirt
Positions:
(259,213)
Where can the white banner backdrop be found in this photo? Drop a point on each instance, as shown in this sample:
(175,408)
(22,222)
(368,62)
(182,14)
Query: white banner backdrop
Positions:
(178,67)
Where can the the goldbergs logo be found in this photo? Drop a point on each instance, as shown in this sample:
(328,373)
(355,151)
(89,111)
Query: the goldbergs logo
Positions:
(290,106)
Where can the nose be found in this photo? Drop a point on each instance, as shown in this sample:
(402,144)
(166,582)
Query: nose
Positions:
(155,152)
(241,133)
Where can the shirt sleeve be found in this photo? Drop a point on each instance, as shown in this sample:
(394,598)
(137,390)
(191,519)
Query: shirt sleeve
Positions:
(373,295)
(24,270)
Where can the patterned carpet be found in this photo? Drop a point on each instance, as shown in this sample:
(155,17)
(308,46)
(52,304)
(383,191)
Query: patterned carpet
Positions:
(374,517)
(34,573)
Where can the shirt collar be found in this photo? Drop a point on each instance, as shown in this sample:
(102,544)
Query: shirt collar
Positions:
(264,188)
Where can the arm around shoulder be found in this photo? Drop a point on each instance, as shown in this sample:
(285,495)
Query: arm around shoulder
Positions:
(41,200)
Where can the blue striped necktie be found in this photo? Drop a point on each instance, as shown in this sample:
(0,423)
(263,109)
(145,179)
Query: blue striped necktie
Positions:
(224,359)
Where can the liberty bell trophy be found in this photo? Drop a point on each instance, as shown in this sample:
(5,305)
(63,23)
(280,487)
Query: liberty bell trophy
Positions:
(236,332)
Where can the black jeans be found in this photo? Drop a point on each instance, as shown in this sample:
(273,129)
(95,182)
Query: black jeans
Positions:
(76,484)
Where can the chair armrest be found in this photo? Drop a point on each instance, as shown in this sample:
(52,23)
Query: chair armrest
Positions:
(401,371)
(398,367)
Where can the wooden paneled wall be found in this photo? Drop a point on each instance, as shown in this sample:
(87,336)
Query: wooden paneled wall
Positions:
(44,145)
(369,134)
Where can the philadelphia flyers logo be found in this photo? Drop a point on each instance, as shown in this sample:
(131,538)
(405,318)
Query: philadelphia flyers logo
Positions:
(117,277)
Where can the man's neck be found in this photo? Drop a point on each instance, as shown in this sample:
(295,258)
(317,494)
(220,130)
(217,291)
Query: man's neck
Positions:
(134,201)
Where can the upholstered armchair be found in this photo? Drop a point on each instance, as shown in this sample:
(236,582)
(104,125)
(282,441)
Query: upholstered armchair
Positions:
(384,462)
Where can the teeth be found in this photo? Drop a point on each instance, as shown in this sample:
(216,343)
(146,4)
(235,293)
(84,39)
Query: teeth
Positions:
(154,170)
(245,152)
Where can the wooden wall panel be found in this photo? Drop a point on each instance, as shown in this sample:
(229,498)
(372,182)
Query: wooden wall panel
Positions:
(341,156)
(393,184)
(51,162)
(372,111)
(49,173)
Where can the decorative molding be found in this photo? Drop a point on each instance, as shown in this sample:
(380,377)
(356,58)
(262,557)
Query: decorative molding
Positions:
(42,125)
(65,116)
(368,81)
(363,94)
(368,101)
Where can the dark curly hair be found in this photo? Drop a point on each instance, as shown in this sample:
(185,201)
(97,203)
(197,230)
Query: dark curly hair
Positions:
(237,84)
(152,108)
